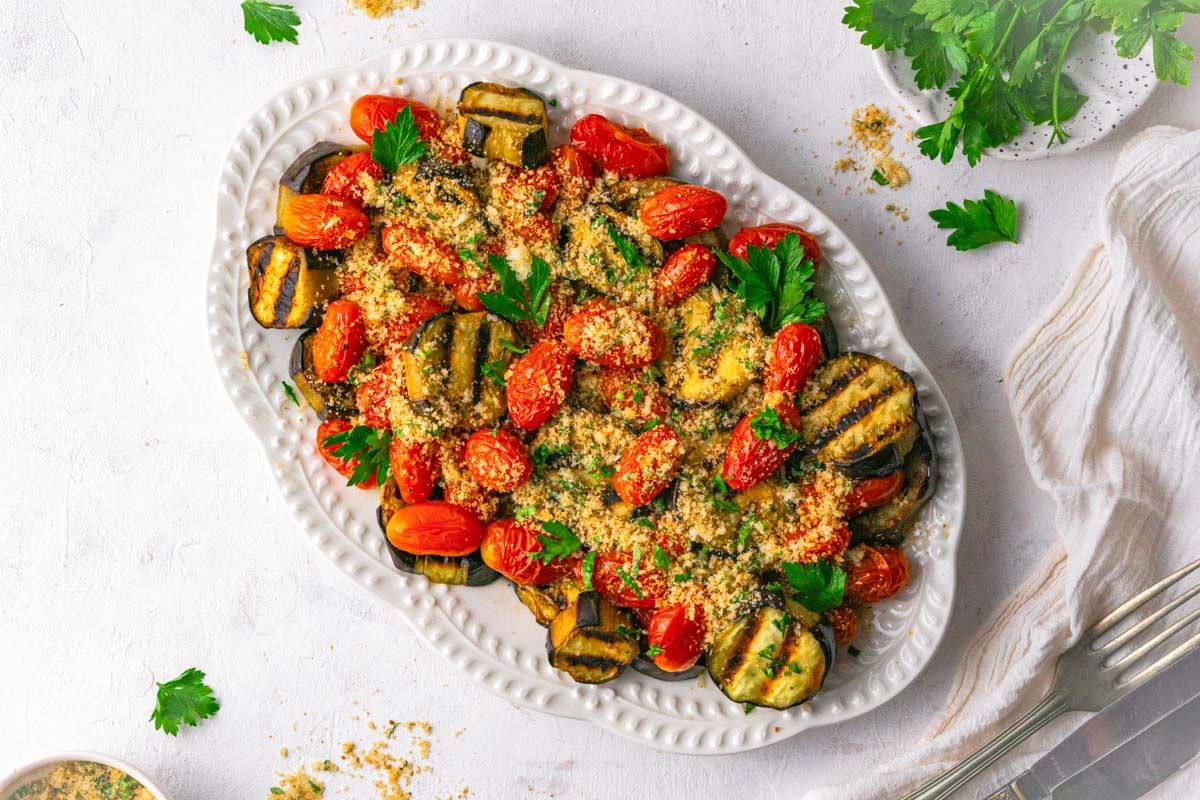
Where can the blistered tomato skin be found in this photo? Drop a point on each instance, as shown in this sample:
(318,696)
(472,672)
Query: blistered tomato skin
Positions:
(415,309)
(870,493)
(373,393)
(633,395)
(606,578)
(648,465)
(414,467)
(795,353)
(498,460)
(880,573)
(344,467)
(769,235)
(576,173)
(613,336)
(844,622)
(629,152)
(678,637)
(684,271)
(322,222)
(420,251)
(345,179)
(681,211)
(340,342)
(506,546)
(435,528)
(538,382)
(372,112)
(749,459)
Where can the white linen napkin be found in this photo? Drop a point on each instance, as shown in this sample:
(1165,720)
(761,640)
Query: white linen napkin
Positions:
(1105,393)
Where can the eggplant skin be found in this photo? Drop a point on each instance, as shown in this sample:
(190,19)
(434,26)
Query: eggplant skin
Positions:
(286,290)
(891,522)
(545,602)
(647,667)
(583,640)
(508,123)
(307,172)
(859,414)
(766,658)
(328,400)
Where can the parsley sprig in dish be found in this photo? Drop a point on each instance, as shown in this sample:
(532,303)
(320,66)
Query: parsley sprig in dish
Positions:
(776,283)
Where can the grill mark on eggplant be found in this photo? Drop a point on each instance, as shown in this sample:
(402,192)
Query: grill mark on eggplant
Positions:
(585,660)
(839,426)
(741,649)
(483,349)
(885,434)
(835,388)
(287,291)
(484,113)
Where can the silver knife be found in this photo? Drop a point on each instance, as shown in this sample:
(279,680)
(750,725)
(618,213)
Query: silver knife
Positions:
(1116,724)
(1139,765)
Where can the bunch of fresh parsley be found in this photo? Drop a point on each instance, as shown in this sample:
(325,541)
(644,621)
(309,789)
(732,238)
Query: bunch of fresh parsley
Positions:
(1001,61)
(776,283)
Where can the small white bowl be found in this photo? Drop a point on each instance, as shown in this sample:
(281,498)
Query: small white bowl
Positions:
(43,766)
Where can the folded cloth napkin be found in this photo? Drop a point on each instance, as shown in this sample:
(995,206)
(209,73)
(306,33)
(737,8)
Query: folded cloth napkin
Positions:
(1105,393)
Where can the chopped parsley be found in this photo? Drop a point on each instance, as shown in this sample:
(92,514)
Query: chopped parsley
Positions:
(766,424)
(853,651)
(628,632)
(661,559)
(625,246)
(494,370)
(588,569)
(653,650)
(291,393)
(557,544)
(879,177)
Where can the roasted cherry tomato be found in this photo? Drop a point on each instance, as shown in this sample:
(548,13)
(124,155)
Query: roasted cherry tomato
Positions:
(749,459)
(373,393)
(769,235)
(340,342)
(613,336)
(873,492)
(525,192)
(345,179)
(879,574)
(372,112)
(414,467)
(420,251)
(678,637)
(322,222)
(844,622)
(614,577)
(435,528)
(794,355)
(576,173)
(506,548)
(633,395)
(415,309)
(538,382)
(629,152)
(466,291)
(498,460)
(648,465)
(677,212)
(808,545)
(562,305)
(684,271)
(345,467)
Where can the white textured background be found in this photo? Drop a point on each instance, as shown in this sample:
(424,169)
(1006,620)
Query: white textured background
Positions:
(141,533)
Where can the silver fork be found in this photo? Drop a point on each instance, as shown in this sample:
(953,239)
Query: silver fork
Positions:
(1085,678)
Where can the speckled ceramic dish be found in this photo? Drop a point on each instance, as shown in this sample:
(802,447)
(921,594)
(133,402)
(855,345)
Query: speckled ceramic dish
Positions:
(1116,88)
(43,766)
(485,632)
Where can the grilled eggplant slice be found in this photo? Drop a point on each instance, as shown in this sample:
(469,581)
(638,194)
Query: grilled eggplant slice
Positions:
(329,400)
(828,333)
(287,288)
(892,521)
(859,414)
(768,659)
(450,364)
(547,601)
(504,122)
(452,570)
(583,640)
(717,356)
(306,174)
(389,503)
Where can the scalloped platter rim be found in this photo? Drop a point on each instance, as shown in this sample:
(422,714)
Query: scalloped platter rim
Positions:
(484,632)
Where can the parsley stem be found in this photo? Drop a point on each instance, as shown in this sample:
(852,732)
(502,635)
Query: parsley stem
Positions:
(1058,134)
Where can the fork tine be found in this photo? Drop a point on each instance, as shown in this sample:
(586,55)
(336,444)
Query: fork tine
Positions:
(1142,650)
(1138,600)
(1120,640)
(1189,646)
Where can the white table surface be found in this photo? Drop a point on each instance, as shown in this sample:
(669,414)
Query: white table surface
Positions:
(141,530)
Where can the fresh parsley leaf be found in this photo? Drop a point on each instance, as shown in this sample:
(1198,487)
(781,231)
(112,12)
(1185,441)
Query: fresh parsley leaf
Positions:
(748,707)
(682,577)
(269,22)
(978,222)
(625,246)
(627,631)
(557,544)
(276,790)
(629,582)
(661,559)
(879,178)
(366,444)
(587,569)
(291,393)
(513,348)
(776,283)
(719,496)
(397,143)
(766,424)
(518,301)
(818,586)
(183,701)
(494,371)
(653,650)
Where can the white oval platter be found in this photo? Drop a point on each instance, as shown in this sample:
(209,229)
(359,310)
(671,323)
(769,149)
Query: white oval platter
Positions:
(485,632)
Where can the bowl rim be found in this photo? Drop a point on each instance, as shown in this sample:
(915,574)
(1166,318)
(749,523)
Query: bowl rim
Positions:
(14,778)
